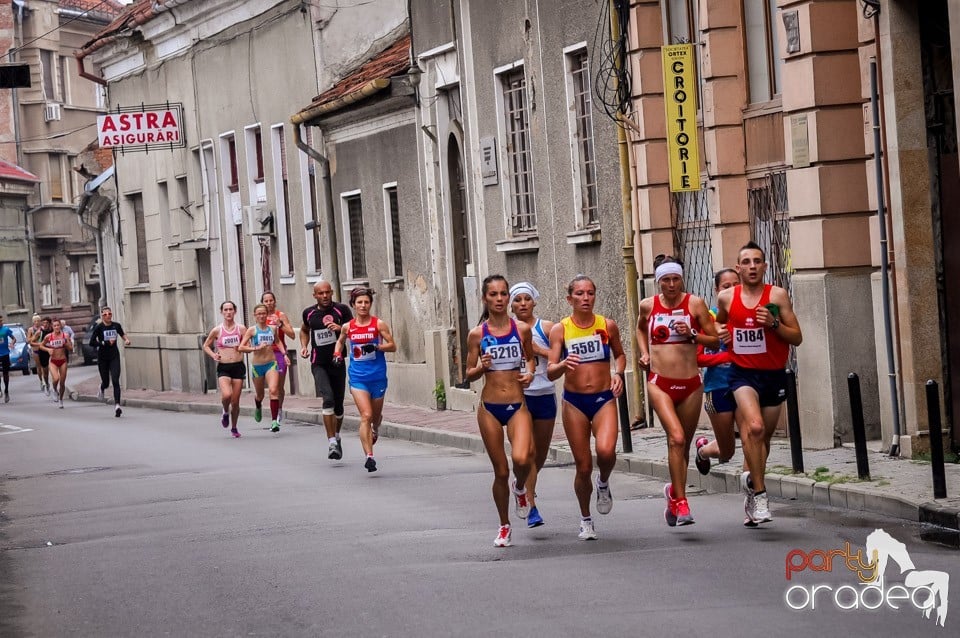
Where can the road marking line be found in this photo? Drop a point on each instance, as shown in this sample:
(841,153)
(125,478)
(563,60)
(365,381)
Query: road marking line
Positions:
(13,429)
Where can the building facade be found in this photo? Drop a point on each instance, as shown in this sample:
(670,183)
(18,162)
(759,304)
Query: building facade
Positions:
(519,163)
(43,129)
(787,145)
(224,217)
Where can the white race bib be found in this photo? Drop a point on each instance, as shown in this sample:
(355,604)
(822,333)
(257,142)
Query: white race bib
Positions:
(667,324)
(360,355)
(55,343)
(230,341)
(265,338)
(588,348)
(506,356)
(749,341)
(109,335)
(324,337)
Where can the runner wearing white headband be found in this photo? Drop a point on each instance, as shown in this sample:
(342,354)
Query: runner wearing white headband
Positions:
(668,268)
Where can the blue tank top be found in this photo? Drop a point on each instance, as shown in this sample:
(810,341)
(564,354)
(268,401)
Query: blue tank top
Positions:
(717,377)
(506,351)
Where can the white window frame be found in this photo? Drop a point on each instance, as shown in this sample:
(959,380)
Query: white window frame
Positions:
(578,186)
(74,287)
(388,224)
(228,223)
(762,80)
(280,216)
(347,241)
(505,174)
(313,274)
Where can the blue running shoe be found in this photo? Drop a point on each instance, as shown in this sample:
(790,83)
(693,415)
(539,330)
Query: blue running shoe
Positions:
(533,518)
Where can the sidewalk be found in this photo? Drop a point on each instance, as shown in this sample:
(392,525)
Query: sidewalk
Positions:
(900,488)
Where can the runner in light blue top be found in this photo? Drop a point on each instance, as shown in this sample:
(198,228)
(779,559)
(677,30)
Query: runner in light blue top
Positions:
(6,334)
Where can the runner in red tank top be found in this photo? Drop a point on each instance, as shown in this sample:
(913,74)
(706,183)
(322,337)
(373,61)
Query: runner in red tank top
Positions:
(669,327)
(760,328)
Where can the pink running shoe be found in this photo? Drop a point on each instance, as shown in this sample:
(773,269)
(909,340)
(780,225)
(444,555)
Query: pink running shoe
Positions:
(235,433)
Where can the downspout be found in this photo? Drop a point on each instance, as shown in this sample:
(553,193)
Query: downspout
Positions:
(84,74)
(881,160)
(313,153)
(15,94)
(629,263)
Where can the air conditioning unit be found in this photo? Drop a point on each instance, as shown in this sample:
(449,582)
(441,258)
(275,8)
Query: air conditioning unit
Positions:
(259,220)
(51,112)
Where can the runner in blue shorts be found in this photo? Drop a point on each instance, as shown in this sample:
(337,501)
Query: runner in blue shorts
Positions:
(369,338)
(261,340)
(539,396)
(717,395)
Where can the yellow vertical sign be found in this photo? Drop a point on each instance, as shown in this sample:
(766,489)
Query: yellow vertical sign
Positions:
(680,98)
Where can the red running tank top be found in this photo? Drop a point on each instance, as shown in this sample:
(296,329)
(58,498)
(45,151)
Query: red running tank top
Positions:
(754,346)
(661,329)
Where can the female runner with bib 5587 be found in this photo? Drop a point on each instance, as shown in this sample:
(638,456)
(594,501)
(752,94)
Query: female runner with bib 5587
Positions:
(587,342)
(670,326)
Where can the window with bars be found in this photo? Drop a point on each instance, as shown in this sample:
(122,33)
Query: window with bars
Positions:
(11,283)
(584,158)
(392,210)
(258,150)
(234,184)
(62,79)
(523,216)
(281,177)
(314,235)
(353,213)
(143,269)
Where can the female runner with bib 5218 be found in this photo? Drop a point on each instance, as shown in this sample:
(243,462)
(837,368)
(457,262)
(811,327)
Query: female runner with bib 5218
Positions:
(670,326)
(500,350)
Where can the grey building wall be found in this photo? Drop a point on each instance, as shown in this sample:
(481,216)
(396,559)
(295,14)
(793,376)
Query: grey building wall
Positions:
(365,164)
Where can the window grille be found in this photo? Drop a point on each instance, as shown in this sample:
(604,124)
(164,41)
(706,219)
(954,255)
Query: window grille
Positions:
(523,218)
(585,151)
(143,268)
(691,239)
(395,231)
(354,216)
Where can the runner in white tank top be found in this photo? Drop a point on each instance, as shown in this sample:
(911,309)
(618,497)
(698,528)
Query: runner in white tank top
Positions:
(540,395)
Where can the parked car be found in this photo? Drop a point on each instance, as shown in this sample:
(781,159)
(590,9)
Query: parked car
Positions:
(21,355)
(89,352)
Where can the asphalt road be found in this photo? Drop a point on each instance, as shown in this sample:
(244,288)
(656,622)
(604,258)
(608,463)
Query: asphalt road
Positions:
(160,524)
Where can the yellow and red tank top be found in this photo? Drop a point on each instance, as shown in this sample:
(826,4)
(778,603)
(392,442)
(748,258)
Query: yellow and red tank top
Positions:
(591,343)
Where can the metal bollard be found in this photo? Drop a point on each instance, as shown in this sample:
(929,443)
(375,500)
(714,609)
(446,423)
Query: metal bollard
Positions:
(936,440)
(859,430)
(793,423)
(625,422)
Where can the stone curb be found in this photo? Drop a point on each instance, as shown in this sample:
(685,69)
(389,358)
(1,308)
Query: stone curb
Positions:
(850,496)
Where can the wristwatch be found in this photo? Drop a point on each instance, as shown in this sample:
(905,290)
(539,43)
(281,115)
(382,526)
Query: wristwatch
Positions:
(693,335)
(775,324)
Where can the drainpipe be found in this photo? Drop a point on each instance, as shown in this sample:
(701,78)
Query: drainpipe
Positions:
(84,74)
(334,274)
(81,208)
(629,263)
(884,261)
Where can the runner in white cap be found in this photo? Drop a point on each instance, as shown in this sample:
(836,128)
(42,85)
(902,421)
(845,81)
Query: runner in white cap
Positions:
(539,396)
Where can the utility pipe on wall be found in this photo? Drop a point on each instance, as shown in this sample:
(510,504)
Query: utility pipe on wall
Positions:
(884,261)
(334,267)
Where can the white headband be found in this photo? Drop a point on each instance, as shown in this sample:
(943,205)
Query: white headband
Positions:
(524,287)
(669,268)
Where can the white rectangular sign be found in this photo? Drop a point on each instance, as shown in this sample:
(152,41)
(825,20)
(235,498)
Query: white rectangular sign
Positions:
(140,128)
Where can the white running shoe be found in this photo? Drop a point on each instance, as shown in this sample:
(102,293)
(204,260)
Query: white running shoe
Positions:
(100,394)
(604,499)
(60,403)
(503,537)
(46,389)
(587,533)
(761,508)
(520,500)
(749,504)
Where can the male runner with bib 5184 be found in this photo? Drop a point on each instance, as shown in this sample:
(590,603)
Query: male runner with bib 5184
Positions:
(760,328)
